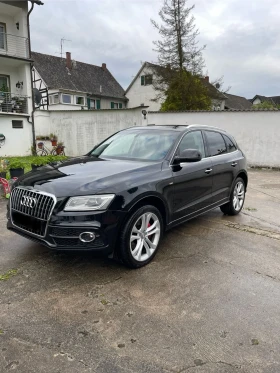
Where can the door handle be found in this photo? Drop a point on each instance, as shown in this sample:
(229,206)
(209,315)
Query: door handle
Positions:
(208,170)
(234,164)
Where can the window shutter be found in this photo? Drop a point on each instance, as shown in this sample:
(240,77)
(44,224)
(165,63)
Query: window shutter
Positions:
(143,80)
(88,103)
(112,105)
(120,106)
(98,106)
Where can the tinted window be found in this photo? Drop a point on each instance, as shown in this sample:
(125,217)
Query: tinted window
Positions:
(216,143)
(192,140)
(149,145)
(230,145)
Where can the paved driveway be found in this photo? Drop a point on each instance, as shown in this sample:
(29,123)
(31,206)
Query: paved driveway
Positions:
(209,302)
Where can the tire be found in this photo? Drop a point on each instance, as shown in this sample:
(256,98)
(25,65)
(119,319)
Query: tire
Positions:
(41,152)
(237,198)
(137,248)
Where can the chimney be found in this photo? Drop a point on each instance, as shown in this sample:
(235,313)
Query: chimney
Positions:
(207,79)
(68,60)
(104,67)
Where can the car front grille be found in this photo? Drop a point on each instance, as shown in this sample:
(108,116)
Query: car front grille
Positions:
(30,209)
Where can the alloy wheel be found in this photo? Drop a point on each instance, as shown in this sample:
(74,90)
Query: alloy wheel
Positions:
(238,196)
(144,237)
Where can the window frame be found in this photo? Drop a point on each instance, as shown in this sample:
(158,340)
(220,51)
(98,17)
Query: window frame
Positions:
(77,97)
(5,36)
(51,99)
(182,138)
(66,94)
(8,80)
(207,145)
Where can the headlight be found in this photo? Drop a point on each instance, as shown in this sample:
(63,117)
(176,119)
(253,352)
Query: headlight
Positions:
(89,203)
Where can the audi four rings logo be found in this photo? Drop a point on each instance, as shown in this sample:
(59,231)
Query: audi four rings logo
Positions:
(28,201)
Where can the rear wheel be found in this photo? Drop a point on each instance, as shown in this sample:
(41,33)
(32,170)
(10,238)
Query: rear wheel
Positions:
(237,198)
(141,236)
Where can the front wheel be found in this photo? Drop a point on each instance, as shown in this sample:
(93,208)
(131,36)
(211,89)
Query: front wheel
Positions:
(237,198)
(141,236)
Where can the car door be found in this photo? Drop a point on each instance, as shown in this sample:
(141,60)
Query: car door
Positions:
(225,167)
(192,191)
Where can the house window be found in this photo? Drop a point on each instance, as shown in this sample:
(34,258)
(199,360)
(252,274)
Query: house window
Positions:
(92,104)
(4,83)
(17,123)
(66,99)
(3,43)
(116,105)
(54,99)
(80,100)
(147,79)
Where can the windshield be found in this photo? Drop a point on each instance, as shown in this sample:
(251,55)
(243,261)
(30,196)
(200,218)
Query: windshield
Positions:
(148,145)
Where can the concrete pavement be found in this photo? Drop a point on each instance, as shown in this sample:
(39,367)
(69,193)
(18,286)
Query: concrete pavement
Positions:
(209,302)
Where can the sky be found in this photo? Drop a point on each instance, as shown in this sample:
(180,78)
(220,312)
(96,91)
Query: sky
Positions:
(242,38)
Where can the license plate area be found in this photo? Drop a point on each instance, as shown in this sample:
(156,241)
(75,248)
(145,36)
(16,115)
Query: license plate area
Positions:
(29,224)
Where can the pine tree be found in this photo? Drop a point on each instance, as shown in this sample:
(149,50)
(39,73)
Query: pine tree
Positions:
(179,46)
(179,58)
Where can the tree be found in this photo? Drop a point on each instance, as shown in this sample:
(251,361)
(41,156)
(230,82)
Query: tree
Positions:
(186,92)
(180,61)
(179,46)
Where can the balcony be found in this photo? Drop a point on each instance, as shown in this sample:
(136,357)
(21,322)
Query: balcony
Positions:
(14,46)
(13,103)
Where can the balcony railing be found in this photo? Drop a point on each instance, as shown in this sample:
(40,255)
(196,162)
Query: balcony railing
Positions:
(13,103)
(14,46)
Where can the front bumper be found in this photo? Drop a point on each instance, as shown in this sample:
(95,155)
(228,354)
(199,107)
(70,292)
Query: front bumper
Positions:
(63,230)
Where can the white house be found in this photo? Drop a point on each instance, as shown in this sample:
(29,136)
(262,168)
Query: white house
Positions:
(72,85)
(258,99)
(141,91)
(15,77)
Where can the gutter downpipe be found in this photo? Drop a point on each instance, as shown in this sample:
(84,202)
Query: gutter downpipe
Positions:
(31,66)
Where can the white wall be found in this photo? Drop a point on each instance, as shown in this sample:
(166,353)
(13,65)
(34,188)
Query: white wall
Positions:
(142,94)
(81,130)
(18,140)
(257,132)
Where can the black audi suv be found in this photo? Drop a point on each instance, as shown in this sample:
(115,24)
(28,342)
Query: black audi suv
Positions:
(121,197)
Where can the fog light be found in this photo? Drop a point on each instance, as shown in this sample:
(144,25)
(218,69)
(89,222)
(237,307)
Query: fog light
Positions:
(87,237)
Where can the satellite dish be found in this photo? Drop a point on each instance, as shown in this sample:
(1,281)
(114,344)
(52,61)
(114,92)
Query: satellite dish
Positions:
(218,85)
(37,96)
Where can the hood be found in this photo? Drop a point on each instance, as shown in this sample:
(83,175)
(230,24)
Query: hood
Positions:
(88,175)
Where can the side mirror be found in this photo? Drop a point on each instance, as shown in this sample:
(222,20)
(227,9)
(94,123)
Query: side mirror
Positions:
(188,155)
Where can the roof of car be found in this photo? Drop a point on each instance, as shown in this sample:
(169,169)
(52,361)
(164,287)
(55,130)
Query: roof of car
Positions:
(177,127)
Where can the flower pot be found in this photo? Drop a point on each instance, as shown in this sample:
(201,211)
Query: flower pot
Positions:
(54,142)
(59,149)
(3,174)
(40,145)
(16,172)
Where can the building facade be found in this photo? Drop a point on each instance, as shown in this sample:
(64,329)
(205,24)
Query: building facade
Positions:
(74,85)
(15,78)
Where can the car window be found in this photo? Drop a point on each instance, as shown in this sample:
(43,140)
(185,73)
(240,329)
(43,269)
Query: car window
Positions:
(192,140)
(230,145)
(150,145)
(216,143)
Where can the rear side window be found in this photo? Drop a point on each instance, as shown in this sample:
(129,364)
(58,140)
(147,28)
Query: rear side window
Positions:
(216,144)
(230,145)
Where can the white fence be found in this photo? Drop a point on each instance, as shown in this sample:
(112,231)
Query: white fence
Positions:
(81,130)
(257,132)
